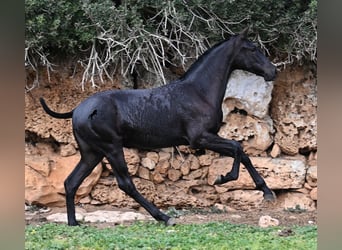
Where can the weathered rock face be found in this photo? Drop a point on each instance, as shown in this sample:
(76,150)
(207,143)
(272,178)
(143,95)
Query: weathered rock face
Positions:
(311,176)
(282,144)
(294,111)
(248,92)
(62,93)
(242,199)
(254,134)
(245,111)
(296,201)
(45,175)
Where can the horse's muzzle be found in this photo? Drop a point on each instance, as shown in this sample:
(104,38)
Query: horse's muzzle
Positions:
(271,75)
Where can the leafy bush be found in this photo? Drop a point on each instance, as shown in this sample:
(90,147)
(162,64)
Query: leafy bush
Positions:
(104,38)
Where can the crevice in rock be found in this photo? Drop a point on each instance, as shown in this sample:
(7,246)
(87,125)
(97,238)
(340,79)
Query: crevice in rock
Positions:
(33,138)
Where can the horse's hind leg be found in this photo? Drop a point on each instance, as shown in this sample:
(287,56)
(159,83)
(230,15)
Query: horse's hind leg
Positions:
(118,164)
(88,162)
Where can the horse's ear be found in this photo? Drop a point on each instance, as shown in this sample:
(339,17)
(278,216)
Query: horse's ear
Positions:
(244,33)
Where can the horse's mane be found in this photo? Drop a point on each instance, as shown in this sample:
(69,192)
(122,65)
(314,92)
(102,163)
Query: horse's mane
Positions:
(203,56)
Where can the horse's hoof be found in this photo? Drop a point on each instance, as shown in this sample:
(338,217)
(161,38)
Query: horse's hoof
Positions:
(218,180)
(270,197)
(73,224)
(170,222)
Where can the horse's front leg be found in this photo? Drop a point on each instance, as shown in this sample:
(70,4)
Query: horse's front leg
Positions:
(233,149)
(258,180)
(223,147)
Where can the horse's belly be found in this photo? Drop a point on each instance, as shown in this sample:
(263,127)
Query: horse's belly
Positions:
(151,141)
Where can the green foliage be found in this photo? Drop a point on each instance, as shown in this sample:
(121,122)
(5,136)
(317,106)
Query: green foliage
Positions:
(157,33)
(156,236)
(296,209)
(57,26)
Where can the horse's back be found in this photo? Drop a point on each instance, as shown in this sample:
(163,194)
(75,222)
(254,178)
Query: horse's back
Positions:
(145,118)
(150,118)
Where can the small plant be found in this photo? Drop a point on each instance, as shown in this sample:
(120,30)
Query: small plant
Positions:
(173,212)
(296,209)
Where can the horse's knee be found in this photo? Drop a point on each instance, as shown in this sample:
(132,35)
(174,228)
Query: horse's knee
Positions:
(245,159)
(69,187)
(233,176)
(237,148)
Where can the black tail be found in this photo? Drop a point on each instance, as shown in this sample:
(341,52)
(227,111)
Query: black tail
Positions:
(53,113)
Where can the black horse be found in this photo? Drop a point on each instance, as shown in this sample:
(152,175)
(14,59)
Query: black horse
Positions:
(184,112)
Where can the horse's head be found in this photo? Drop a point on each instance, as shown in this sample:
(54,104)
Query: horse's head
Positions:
(250,58)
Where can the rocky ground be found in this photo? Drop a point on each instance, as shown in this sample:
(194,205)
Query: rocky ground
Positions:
(103,216)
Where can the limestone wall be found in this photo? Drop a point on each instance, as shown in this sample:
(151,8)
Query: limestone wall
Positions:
(276,124)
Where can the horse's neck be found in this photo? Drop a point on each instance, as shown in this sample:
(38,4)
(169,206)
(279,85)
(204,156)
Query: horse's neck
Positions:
(210,77)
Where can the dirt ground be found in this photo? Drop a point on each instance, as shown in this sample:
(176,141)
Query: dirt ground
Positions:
(287,218)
